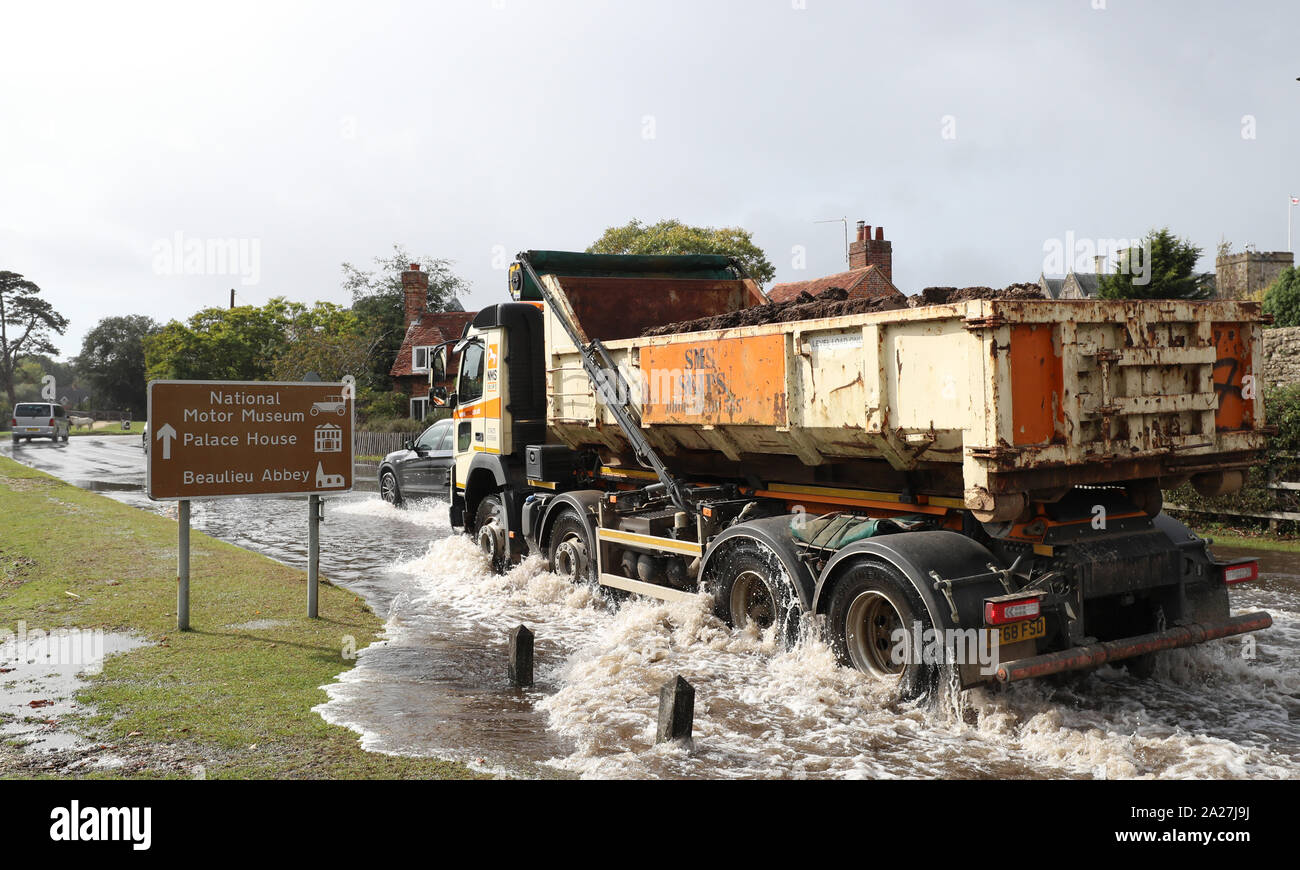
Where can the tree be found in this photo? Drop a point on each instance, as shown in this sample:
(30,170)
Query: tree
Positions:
(378,300)
(112,359)
(386,280)
(675,237)
(32,380)
(222,344)
(1162,268)
(27,326)
(1282,299)
(327,339)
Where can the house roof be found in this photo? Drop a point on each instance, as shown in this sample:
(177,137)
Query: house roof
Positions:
(430,328)
(860,280)
(1051,286)
(1088,282)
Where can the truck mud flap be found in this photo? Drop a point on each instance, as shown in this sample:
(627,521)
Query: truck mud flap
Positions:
(1096,654)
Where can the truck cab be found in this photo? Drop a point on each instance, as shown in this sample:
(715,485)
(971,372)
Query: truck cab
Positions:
(496,416)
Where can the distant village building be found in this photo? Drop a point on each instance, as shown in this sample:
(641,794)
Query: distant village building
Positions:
(1076,285)
(425,330)
(870,275)
(1243,275)
(1080,285)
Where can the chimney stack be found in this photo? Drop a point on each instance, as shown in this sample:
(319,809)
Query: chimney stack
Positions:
(868,251)
(415,291)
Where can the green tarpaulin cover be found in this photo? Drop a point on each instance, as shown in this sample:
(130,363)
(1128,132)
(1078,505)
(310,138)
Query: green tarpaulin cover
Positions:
(834,531)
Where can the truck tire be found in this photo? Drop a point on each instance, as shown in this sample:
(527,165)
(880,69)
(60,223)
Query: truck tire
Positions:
(750,588)
(870,603)
(490,531)
(389,491)
(570,551)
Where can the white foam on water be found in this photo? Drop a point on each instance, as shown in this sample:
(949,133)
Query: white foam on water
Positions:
(763,711)
(429,513)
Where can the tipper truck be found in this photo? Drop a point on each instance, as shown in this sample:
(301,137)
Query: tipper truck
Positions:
(924,482)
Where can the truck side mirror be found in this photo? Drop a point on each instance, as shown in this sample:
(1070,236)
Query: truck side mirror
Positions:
(439,366)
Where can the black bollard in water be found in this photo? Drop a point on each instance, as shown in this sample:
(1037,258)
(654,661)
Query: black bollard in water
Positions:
(521,657)
(676,710)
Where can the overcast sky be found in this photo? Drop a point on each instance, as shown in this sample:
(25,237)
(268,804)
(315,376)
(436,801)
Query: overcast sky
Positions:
(317,133)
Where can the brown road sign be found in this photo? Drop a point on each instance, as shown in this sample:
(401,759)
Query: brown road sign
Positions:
(223,439)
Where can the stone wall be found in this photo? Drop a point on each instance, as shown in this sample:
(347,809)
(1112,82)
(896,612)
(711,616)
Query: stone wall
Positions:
(1281,356)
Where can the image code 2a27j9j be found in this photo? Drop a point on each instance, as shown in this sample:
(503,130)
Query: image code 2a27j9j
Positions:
(221,439)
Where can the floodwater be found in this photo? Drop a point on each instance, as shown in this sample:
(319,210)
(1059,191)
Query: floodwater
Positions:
(437,684)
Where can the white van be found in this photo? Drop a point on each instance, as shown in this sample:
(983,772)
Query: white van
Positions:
(39,420)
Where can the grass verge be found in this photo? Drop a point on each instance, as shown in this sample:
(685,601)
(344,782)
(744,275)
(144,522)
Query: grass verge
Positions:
(235,700)
(137,426)
(1236,538)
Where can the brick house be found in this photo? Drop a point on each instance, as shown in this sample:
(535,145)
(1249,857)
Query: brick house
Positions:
(870,275)
(425,330)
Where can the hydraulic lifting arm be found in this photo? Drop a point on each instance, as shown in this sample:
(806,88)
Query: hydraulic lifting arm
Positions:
(609,380)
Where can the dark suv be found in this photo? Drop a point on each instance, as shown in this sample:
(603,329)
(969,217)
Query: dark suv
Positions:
(422,468)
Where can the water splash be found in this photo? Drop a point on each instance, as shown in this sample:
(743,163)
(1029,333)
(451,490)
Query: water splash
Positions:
(765,711)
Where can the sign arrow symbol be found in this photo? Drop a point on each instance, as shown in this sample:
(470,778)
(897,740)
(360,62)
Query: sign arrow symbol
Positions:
(166,434)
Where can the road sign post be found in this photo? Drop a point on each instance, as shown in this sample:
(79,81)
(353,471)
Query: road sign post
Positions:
(225,439)
(183,566)
(313,555)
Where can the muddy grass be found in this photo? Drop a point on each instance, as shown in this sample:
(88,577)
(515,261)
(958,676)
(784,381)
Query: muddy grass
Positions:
(226,700)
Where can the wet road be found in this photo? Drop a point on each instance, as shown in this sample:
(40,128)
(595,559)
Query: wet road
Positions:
(436,685)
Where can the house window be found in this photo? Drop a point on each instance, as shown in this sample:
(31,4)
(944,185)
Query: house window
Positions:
(419,408)
(420,358)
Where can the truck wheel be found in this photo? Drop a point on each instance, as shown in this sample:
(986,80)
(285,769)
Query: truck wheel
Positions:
(490,530)
(751,589)
(869,606)
(570,550)
(388,489)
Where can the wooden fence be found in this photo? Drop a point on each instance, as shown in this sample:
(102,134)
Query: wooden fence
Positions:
(1273,517)
(1282,496)
(368,443)
(380,443)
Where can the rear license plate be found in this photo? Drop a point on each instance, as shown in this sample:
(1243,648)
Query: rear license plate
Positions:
(1028,630)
